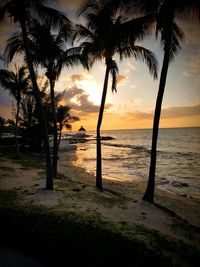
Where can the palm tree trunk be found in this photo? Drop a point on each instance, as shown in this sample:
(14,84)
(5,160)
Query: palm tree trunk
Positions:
(149,194)
(99,159)
(16,131)
(49,173)
(55,133)
(60,134)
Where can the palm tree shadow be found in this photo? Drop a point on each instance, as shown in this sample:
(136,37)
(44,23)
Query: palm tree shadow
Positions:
(180,226)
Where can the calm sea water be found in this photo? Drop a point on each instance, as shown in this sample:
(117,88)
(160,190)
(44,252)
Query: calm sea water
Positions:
(127,157)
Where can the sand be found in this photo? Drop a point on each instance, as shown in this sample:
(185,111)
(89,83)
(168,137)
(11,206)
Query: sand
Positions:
(176,216)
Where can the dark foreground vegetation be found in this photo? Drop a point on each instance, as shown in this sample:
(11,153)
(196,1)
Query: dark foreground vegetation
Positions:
(70,239)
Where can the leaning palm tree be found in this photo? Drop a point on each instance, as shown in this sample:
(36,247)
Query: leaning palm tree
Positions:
(21,12)
(105,35)
(16,82)
(171,37)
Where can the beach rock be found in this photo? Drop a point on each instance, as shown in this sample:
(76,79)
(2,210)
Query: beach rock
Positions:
(107,138)
(179,184)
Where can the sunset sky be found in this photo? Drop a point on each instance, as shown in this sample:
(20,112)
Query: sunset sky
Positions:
(133,104)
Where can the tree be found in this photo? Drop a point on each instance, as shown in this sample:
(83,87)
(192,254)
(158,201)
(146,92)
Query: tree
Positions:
(16,82)
(49,50)
(171,37)
(2,123)
(64,119)
(105,35)
(21,11)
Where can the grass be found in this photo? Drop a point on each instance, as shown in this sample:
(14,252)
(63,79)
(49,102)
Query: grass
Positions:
(32,161)
(28,160)
(57,238)
(109,201)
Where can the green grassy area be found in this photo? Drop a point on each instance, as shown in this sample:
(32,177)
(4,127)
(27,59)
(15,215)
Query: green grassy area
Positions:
(28,160)
(57,238)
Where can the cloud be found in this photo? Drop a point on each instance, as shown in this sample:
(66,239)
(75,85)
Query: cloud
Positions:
(195,64)
(72,92)
(78,100)
(167,113)
(184,111)
(192,33)
(79,77)
(121,78)
(69,5)
(5,98)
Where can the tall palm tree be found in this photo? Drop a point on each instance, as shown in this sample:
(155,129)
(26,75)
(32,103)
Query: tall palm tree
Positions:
(16,82)
(171,37)
(168,11)
(21,11)
(105,35)
(49,51)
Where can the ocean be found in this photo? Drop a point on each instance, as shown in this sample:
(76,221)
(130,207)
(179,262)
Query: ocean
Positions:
(127,157)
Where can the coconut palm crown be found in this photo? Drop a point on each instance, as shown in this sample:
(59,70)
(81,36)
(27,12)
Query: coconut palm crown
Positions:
(16,83)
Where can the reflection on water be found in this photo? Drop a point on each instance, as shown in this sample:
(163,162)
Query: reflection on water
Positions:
(127,157)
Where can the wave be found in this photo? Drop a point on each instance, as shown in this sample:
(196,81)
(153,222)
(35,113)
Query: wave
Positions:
(133,147)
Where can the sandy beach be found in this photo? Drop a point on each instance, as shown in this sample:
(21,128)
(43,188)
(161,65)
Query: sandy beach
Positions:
(173,215)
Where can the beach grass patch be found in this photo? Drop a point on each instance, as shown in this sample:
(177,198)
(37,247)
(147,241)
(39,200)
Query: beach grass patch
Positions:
(31,161)
(109,201)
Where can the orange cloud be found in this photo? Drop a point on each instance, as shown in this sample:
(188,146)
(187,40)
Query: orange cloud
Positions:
(78,100)
(185,116)
(121,78)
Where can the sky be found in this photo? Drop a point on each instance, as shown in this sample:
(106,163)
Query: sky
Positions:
(132,107)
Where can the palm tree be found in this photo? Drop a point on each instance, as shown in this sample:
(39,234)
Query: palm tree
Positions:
(49,51)
(64,119)
(16,82)
(171,37)
(21,11)
(107,34)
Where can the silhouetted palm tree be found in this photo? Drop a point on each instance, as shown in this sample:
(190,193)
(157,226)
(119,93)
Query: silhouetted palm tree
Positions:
(16,82)
(171,37)
(21,11)
(107,34)
(64,119)
(49,51)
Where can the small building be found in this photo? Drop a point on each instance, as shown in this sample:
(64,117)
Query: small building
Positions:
(82,130)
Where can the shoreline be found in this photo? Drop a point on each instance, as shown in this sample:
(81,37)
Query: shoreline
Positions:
(75,191)
(175,207)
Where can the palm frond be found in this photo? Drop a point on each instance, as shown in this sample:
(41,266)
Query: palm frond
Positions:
(7,78)
(3,10)
(177,38)
(83,32)
(15,45)
(114,72)
(53,17)
(148,57)
(137,28)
